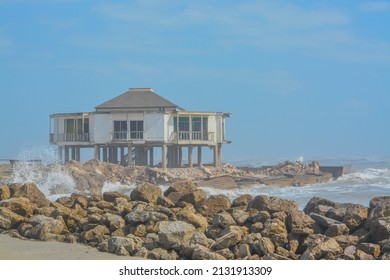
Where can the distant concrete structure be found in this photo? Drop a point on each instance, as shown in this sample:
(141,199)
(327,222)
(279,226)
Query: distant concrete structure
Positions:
(128,128)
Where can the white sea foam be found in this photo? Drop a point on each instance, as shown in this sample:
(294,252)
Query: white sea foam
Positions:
(49,179)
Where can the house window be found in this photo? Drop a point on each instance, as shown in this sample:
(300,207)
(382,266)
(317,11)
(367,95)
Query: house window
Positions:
(120,130)
(184,124)
(136,129)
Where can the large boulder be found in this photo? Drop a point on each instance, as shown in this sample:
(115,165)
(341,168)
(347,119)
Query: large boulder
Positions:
(214,204)
(172,233)
(146,192)
(228,240)
(379,200)
(298,220)
(19,205)
(380,211)
(143,216)
(45,228)
(194,219)
(380,229)
(124,246)
(272,227)
(177,190)
(323,221)
(223,220)
(112,196)
(4,192)
(313,204)
(370,248)
(355,216)
(202,253)
(273,204)
(9,219)
(196,197)
(322,247)
(96,235)
(242,200)
(31,191)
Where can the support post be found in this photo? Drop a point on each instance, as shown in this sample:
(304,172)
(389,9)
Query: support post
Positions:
(59,155)
(73,153)
(151,156)
(180,156)
(199,155)
(78,153)
(219,155)
(66,154)
(105,159)
(122,155)
(216,155)
(190,164)
(164,155)
(96,154)
(129,154)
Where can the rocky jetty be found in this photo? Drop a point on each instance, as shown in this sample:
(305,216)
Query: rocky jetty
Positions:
(182,223)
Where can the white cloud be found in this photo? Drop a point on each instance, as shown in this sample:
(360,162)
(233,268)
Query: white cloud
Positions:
(276,25)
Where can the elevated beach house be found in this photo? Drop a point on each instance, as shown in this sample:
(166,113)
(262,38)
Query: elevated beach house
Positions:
(133,127)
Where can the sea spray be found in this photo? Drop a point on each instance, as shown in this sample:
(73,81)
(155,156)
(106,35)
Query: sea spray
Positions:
(35,165)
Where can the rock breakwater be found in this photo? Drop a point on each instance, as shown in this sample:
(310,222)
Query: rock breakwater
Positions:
(183,223)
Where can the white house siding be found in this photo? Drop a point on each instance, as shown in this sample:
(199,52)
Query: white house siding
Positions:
(91,127)
(154,127)
(212,126)
(102,128)
(168,120)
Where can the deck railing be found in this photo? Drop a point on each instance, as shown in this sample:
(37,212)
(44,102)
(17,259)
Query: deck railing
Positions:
(125,136)
(73,137)
(193,136)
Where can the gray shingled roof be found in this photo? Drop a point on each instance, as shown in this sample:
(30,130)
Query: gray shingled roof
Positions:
(137,98)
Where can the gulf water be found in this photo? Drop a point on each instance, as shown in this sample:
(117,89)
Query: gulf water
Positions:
(370,177)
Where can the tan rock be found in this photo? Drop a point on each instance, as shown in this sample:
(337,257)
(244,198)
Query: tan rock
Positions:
(240,217)
(9,219)
(370,248)
(355,216)
(31,191)
(227,241)
(336,230)
(322,248)
(172,233)
(273,204)
(214,204)
(379,229)
(4,192)
(298,220)
(19,205)
(177,190)
(196,220)
(274,226)
(45,228)
(146,192)
(242,200)
(196,197)
(379,200)
(206,254)
(223,219)
(112,196)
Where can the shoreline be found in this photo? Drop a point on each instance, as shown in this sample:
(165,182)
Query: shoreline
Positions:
(12,248)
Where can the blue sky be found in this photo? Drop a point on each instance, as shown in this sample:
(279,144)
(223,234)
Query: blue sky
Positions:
(301,78)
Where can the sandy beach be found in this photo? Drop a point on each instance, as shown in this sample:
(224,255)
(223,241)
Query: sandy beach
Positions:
(17,249)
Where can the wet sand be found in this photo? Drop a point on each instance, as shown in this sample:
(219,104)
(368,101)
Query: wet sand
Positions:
(17,249)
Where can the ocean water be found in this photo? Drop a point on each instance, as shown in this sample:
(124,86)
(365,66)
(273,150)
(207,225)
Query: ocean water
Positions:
(370,177)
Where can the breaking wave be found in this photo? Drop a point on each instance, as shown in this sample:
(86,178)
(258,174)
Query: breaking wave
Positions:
(36,165)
